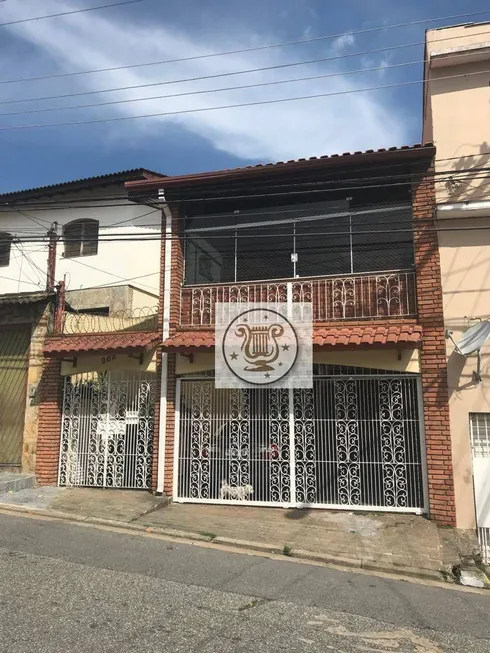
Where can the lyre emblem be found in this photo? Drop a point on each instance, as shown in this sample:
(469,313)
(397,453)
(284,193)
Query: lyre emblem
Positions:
(260,347)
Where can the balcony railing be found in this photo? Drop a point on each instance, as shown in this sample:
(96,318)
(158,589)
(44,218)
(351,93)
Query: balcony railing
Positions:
(350,297)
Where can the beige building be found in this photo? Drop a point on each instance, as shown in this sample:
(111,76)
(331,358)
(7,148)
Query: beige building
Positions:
(457,119)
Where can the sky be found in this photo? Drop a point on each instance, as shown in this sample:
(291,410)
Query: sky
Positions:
(192,140)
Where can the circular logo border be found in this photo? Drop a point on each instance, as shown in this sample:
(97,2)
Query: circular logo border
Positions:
(253,310)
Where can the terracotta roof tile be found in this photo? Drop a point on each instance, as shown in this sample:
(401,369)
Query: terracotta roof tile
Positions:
(190,340)
(368,335)
(94,342)
(322,336)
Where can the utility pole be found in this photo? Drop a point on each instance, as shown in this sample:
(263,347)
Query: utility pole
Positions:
(51,272)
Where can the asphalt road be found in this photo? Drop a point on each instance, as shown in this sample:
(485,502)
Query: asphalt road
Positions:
(67,588)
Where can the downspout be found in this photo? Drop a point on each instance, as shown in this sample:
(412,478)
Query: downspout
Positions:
(167,243)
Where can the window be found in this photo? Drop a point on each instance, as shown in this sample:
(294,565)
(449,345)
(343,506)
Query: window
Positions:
(5,245)
(302,240)
(81,238)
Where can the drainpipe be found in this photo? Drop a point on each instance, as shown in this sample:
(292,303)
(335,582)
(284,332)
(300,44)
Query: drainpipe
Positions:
(167,243)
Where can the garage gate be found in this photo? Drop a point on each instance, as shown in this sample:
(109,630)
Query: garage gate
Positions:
(107,430)
(353,441)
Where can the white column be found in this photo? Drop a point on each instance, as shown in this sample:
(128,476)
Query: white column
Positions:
(167,243)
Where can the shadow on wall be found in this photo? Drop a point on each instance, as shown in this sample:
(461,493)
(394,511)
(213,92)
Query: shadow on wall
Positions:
(455,366)
(470,183)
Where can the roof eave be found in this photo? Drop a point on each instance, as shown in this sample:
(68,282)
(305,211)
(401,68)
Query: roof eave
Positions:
(415,152)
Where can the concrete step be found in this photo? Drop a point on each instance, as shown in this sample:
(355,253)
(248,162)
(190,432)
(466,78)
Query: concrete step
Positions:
(10,482)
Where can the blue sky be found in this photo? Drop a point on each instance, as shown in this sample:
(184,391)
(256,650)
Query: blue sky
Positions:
(155,30)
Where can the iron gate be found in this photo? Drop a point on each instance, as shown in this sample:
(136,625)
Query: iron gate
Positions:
(107,430)
(351,441)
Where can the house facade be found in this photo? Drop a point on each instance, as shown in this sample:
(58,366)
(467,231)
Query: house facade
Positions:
(79,264)
(456,115)
(353,235)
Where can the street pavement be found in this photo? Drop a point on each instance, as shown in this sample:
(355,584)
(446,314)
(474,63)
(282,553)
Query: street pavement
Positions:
(72,588)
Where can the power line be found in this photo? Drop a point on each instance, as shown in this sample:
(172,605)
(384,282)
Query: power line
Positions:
(217,90)
(69,13)
(111,274)
(37,221)
(253,49)
(230,106)
(29,283)
(295,192)
(231,73)
(35,283)
(253,195)
(64,205)
(11,205)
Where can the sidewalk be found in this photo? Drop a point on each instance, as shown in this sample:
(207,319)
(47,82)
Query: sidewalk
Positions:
(406,544)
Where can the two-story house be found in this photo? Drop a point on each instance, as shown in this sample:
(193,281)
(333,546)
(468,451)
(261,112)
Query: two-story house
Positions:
(355,236)
(104,249)
(456,118)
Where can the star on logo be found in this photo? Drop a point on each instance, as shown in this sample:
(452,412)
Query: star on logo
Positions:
(285,347)
(266,317)
(267,375)
(280,364)
(233,356)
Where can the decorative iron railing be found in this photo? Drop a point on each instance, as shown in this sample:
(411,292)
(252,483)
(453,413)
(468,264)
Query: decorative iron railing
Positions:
(350,297)
(136,319)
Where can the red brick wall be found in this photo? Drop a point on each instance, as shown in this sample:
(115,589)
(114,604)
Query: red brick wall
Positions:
(49,428)
(442,506)
(433,353)
(177,271)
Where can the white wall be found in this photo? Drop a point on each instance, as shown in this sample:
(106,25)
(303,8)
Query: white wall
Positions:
(115,262)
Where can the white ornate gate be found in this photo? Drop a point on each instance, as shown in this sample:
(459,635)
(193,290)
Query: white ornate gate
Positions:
(107,430)
(353,441)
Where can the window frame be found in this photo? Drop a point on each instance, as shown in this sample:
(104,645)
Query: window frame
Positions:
(82,241)
(351,233)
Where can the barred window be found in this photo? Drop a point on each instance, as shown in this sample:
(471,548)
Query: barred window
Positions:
(81,238)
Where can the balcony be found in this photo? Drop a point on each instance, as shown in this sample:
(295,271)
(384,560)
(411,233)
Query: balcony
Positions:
(334,298)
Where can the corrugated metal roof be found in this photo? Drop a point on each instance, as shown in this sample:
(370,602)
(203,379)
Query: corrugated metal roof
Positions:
(418,150)
(124,175)
(26,297)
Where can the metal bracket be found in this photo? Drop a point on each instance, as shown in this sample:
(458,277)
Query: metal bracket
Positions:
(476,376)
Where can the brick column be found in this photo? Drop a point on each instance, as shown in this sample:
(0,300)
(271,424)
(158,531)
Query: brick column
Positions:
(49,428)
(177,271)
(442,507)
(176,277)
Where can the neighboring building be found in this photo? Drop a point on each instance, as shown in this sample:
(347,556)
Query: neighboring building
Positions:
(100,387)
(457,119)
(87,215)
(86,220)
(354,235)
(25,319)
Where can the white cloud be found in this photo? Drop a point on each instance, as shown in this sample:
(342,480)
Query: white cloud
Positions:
(269,132)
(343,42)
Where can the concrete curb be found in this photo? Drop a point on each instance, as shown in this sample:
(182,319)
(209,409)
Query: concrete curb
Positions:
(297,554)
